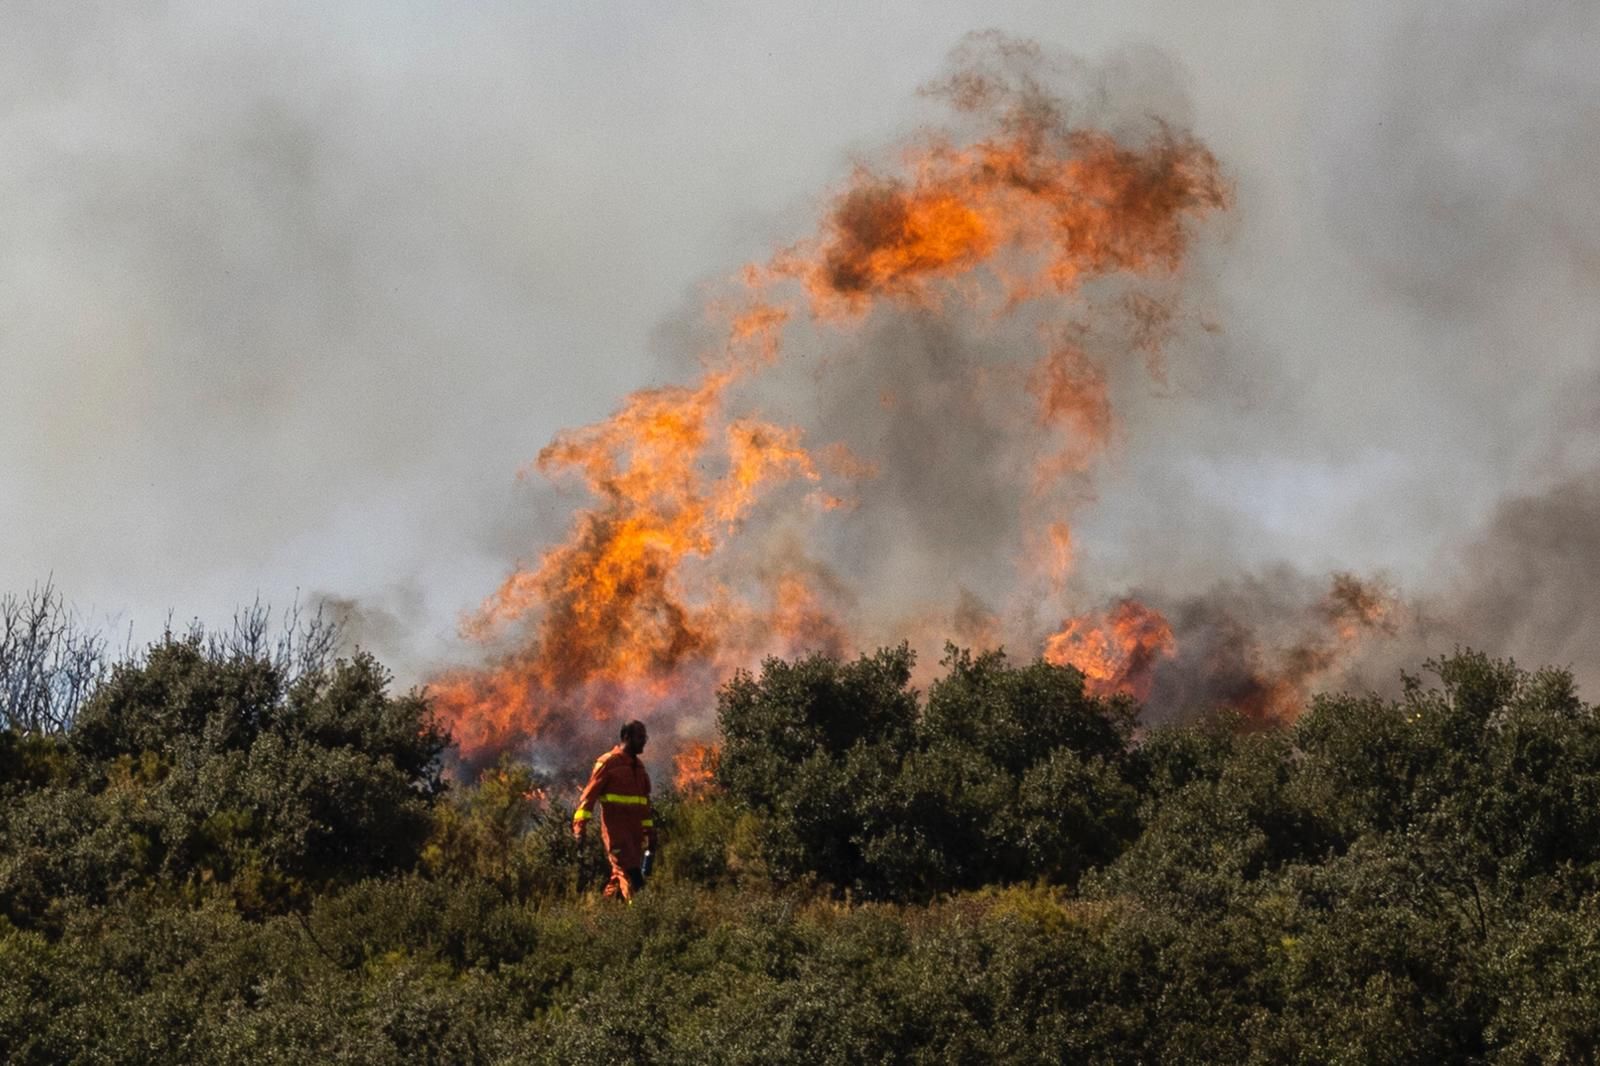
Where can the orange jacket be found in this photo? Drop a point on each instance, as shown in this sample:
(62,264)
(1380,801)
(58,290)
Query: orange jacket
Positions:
(622,787)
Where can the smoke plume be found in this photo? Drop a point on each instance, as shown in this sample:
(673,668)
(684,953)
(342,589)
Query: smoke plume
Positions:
(1118,360)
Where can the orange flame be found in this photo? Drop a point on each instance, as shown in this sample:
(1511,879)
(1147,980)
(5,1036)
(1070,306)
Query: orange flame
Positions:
(1078,202)
(610,619)
(1118,653)
(695,768)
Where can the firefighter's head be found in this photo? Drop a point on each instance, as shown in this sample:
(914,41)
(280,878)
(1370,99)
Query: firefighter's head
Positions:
(634,736)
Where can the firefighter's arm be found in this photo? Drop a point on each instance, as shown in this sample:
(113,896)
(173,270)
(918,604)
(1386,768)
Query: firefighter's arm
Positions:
(586,799)
(651,841)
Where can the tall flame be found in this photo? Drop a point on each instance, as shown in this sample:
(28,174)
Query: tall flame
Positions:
(651,598)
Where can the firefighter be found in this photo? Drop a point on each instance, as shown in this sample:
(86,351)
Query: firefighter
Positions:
(627,823)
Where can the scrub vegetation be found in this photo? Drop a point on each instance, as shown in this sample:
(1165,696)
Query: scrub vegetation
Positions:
(227,854)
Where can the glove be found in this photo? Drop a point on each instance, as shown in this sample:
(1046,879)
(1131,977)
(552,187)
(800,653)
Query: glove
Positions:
(579,829)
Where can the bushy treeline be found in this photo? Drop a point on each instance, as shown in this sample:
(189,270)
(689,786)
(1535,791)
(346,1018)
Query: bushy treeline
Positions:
(226,861)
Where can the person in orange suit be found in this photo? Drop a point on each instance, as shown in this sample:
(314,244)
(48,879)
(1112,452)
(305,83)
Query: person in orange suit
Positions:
(621,786)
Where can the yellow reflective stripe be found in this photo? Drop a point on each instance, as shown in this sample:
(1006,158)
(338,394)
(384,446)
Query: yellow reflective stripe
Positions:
(580,815)
(649,823)
(612,797)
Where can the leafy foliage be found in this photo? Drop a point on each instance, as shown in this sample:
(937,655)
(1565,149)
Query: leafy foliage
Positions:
(226,861)
(188,769)
(1009,773)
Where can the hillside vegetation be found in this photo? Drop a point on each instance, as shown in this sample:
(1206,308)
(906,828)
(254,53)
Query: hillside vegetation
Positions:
(222,859)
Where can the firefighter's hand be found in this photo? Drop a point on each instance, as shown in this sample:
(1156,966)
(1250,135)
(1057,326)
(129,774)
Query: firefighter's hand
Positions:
(579,829)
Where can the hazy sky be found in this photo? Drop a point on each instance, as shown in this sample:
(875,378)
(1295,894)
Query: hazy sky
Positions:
(288,296)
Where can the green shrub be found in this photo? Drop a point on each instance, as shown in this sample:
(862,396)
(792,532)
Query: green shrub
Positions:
(222,868)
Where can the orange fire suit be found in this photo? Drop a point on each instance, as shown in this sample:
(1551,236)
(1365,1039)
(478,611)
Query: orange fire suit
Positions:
(627,822)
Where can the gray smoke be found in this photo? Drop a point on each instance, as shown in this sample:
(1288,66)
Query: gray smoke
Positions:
(287,297)
(1530,586)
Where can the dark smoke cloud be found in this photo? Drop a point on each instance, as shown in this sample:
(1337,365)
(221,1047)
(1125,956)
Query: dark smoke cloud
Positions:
(1530,585)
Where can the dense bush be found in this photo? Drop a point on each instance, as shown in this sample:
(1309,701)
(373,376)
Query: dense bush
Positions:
(1009,773)
(218,864)
(189,769)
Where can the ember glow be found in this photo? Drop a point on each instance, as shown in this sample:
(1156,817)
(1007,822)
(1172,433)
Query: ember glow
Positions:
(1352,612)
(1074,403)
(1262,652)
(716,534)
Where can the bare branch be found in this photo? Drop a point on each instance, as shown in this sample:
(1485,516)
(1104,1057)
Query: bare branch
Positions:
(50,662)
